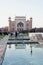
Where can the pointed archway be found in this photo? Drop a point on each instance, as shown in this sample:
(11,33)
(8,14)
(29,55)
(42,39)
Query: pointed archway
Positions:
(20,26)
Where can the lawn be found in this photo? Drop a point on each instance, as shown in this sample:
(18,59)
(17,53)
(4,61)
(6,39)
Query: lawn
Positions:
(1,36)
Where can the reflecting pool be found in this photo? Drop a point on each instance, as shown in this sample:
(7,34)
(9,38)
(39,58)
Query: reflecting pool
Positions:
(23,54)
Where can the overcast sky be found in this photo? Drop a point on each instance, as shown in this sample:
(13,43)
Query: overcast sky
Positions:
(28,8)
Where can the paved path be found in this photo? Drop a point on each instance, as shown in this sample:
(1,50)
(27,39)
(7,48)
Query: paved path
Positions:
(3,44)
(39,36)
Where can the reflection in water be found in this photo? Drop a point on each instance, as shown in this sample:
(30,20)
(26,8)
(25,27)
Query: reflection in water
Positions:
(20,46)
(31,49)
(21,55)
(9,45)
(23,46)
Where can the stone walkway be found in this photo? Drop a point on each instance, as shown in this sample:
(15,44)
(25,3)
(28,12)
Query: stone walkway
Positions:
(3,45)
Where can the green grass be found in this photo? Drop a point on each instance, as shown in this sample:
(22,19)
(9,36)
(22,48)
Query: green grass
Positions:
(1,36)
(25,34)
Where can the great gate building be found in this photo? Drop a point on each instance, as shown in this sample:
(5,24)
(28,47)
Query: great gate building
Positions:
(20,23)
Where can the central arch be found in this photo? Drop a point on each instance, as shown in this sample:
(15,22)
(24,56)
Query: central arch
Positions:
(20,26)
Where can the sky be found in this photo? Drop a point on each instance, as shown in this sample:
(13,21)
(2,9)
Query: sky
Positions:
(28,8)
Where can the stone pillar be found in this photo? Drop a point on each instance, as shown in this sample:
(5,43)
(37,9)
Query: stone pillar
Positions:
(30,23)
(9,19)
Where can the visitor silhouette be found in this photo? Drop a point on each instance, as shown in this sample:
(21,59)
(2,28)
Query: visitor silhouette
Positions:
(15,34)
